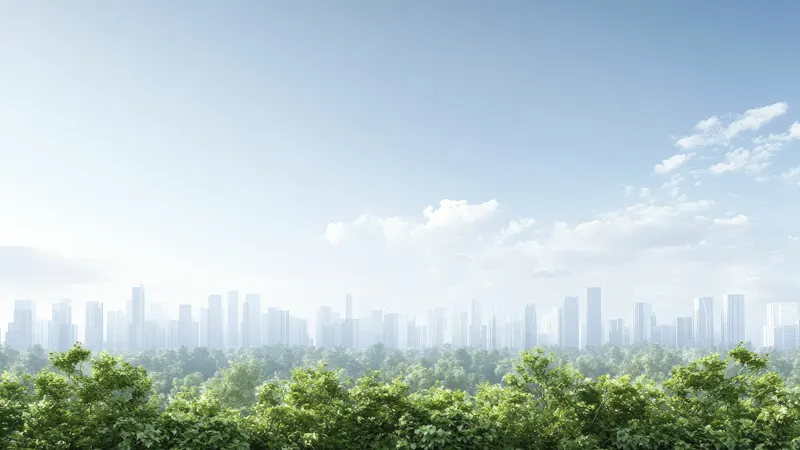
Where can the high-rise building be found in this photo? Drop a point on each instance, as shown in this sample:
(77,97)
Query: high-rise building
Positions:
(460,329)
(516,335)
(376,328)
(348,326)
(93,331)
(703,322)
(530,329)
(733,320)
(61,332)
(20,331)
(297,331)
(136,326)
(616,332)
(683,332)
(204,332)
(232,333)
(594,318)
(391,330)
(251,321)
(117,328)
(275,328)
(185,332)
(664,335)
(156,325)
(641,317)
(413,334)
(324,333)
(571,325)
(475,328)
(555,333)
(216,333)
(781,329)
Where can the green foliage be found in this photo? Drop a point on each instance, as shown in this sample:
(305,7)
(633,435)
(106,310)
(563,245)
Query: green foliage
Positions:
(644,398)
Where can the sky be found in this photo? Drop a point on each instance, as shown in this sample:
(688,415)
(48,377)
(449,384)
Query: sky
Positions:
(412,153)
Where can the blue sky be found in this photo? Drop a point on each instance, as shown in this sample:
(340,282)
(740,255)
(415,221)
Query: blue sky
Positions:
(205,146)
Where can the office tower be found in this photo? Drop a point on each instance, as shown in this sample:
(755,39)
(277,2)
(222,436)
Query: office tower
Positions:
(93,332)
(570,330)
(664,335)
(232,333)
(412,334)
(41,334)
(116,331)
(616,332)
(493,344)
(542,339)
(20,330)
(594,318)
(297,331)
(437,327)
(475,329)
(136,317)
(376,317)
(323,335)
(781,329)
(516,335)
(733,323)
(184,332)
(251,321)
(641,318)
(203,320)
(555,334)
(275,327)
(216,333)
(683,332)
(61,335)
(703,322)
(391,337)
(348,328)
(460,329)
(531,330)
(156,325)
(498,330)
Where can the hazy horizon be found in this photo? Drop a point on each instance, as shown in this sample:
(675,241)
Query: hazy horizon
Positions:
(415,154)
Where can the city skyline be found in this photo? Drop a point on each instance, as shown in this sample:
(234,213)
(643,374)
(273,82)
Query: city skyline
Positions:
(146,324)
(575,146)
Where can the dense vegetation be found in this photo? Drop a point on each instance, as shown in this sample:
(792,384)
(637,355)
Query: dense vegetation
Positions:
(281,398)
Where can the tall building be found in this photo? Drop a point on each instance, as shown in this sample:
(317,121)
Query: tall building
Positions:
(251,321)
(348,326)
(476,327)
(516,335)
(683,332)
(324,333)
(460,329)
(664,335)
(216,333)
(413,338)
(275,329)
(616,332)
(136,317)
(594,318)
(20,331)
(93,331)
(531,332)
(391,329)
(571,321)
(116,331)
(555,324)
(156,326)
(232,333)
(642,322)
(781,329)
(297,331)
(733,320)
(703,321)
(61,331)
(204,331)
(184,332)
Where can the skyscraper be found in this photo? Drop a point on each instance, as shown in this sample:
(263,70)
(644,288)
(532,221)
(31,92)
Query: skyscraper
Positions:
(216,334)
(642,322)
(276,327)
(324,333)
(616,332)
(348,328)
(781,329)
(136,317)
(571,322)
(61,332)
(117,328)
(703,322)
(20,331)
(475,328)
(733,320)
(683,332)
(531,331)
(232,333)
(460,329)
(391,330)
(594,318)
(93,330)
(251,321)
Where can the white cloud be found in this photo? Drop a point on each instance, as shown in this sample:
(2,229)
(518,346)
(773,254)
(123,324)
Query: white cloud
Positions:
(672,163)
(735,221)
(792,134)
(516,227)
(644,192)
(712,131)
(457,212)
(334,233)
(750,161)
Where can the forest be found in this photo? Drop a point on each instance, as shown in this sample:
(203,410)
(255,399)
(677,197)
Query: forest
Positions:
(645,397)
